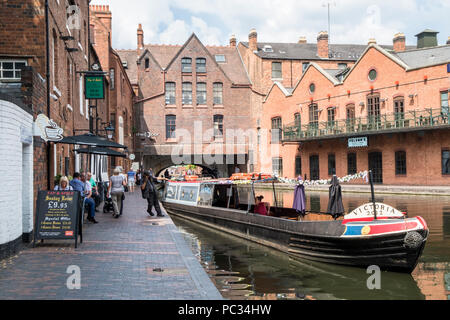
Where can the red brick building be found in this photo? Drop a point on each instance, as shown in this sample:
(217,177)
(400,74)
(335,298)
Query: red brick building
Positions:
(285,63)
(120,93)
(388,113)
(191,92)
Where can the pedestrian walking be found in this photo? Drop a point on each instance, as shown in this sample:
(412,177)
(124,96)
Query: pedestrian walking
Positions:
(124,176)
(149,193)
(116,191)
(131,179)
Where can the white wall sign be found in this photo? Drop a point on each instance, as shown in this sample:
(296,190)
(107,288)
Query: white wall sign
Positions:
(358,142)
(47,129)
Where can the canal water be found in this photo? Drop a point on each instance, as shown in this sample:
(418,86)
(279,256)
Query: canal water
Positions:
(242,269)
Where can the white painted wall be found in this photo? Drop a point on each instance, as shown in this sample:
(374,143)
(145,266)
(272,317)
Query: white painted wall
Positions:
(16,172)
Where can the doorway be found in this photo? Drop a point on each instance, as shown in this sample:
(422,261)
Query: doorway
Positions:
(314,167)
(376,165)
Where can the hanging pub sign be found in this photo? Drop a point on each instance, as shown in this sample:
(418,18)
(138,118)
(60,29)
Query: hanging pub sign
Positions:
(358,142)
(58,216)
(94,87)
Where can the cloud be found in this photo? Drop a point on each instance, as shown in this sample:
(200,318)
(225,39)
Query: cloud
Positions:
(352,21)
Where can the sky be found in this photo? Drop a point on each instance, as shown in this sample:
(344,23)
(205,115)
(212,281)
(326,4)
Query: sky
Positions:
(214,21)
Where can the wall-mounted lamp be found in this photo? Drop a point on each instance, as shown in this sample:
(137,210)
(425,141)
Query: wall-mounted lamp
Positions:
(361,104)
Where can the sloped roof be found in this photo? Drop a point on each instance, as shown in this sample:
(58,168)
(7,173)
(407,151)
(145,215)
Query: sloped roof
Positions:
(233,66)
(308,51)
(424,57)
(130,56)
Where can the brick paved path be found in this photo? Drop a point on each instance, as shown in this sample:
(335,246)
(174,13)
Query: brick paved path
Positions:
(119,259)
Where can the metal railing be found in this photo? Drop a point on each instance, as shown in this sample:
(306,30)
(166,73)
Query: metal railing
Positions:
(409,120)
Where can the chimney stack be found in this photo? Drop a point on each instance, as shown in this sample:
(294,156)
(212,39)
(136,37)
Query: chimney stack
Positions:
(253,40)
(322,45)
(371,41)
(399,42)
(233,41)
(302,40)
(140,38)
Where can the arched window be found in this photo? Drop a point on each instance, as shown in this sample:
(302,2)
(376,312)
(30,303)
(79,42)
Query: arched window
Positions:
(170,126)
(200,64)
(276,129)
(218,125)
(186,65)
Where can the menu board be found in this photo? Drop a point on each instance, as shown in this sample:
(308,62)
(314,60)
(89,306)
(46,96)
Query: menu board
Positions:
(58,215)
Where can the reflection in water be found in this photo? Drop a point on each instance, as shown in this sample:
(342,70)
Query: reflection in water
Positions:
(241,269)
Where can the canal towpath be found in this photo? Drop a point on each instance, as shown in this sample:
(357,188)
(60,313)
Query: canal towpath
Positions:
(135,257)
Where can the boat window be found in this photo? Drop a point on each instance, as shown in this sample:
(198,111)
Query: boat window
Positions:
(171,192)
(205,195)
(225,196)
(188,193)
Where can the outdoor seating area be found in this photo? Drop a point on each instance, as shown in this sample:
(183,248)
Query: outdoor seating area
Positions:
(414,119)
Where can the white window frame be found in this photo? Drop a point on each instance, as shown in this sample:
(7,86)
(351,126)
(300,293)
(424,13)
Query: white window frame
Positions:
(14,70)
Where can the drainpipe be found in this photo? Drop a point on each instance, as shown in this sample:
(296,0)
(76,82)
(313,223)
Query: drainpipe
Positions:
(47,75)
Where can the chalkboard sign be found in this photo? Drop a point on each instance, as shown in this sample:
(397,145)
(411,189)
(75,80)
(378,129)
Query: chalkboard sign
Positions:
(58,216)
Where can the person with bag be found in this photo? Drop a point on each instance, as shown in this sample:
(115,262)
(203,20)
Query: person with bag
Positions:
(149,192)
(116,191)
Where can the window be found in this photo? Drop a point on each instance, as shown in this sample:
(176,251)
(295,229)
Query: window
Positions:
(10,69)
(331,164)
(147,63)
(313,114)
(399,111)
(187,93)
(200,64)
(304,66)
(276,70)
(373,107)
(331,114)
(54,58)
(351,163)
(112,76)
(297,119)
(218,126)
(350,120)
(170,126)
(373,75)
(444,103)
(186,65)
(400,162)
(277,166)
(298,166)
(220,58)
(170,93)
(312,88)
(445,162)
(201,93)
(276,130)
(342,65)
(217,92)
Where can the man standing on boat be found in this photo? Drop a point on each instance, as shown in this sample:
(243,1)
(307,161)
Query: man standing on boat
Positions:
(149,193)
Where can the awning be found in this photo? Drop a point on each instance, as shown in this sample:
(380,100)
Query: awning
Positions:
(101,151)
(91,140)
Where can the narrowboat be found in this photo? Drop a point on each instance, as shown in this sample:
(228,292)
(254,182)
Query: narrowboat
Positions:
(383,237)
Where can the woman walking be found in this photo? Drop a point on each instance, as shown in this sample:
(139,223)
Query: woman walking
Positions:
(116,191)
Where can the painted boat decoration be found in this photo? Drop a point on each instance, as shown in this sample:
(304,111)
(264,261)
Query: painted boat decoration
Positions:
(361,238)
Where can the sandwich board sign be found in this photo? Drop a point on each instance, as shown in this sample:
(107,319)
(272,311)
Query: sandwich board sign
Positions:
(58,216)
